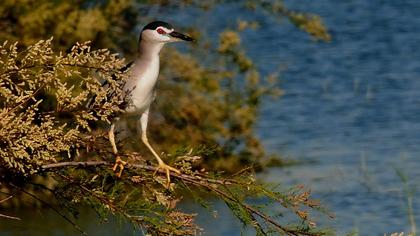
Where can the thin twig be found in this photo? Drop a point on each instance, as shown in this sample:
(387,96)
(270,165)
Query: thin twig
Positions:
(135,166)
(74,163)
(99,197)
(199,181)
(25,101)
(51,207)
(7,216)
(3,200)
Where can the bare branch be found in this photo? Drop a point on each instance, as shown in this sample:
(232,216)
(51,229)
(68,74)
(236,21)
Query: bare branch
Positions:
(133,166)
(208,183)
(74,163)
(9,217)
(6,216)
(3,200)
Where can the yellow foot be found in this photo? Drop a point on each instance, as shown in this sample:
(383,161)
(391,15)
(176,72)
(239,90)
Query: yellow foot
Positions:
(119,164)
(167,169)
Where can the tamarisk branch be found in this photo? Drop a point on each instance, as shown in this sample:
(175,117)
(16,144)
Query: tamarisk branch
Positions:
(218,187)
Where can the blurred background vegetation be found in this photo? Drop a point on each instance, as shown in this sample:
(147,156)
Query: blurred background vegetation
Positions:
(204,99)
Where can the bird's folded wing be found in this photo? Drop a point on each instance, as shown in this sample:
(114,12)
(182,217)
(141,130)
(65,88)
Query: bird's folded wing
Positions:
(105,84)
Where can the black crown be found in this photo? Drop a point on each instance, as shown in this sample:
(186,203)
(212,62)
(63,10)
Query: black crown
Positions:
(153,25)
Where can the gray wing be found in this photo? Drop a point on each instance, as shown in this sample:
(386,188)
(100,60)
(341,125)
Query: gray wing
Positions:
(105,84)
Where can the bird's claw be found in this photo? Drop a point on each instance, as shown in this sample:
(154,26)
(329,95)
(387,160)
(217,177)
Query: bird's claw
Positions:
(119,164)
(167,169)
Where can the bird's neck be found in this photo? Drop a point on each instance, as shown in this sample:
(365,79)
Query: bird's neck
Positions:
(149,51)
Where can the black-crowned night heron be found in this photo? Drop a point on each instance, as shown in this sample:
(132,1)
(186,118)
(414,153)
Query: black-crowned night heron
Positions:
(140,87)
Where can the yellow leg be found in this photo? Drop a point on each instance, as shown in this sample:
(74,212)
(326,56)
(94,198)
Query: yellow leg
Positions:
(111,137)
(118,162)
(162,166)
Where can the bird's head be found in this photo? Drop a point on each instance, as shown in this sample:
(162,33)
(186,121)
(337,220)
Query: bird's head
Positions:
(162,32)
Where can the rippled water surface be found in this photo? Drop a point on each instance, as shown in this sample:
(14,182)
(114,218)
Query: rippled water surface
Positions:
(351,107)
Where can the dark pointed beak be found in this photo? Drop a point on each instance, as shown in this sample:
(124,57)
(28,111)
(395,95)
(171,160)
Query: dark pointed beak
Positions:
(180,36)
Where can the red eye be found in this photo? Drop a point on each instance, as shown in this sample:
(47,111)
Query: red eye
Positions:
(160,31)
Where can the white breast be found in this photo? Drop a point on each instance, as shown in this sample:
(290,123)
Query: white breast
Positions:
(142,84)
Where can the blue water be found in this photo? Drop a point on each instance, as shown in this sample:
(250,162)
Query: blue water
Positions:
(351,107)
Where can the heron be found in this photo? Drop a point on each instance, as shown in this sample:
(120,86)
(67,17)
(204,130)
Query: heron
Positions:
(140,89)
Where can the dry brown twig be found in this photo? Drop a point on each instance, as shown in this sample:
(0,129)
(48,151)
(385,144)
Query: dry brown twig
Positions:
(199,180)
(7,216)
